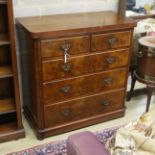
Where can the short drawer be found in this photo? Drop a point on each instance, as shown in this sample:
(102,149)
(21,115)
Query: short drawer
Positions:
(80,86)
(83,108)
(57,47)
(84,64)
(110,41)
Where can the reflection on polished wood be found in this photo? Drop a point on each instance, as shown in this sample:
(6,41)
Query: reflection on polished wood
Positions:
(6,72)
(61,96)
(7,106)
(47,25)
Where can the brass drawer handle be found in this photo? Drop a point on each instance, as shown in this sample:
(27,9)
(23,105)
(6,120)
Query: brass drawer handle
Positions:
(66,67)
(140,54)
(65,47)
(106,102)
(66,112)
(107,81)
(112,41)
(110,60)
(65,89)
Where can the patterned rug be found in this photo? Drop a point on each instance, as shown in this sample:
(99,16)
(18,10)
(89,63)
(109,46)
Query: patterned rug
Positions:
(59,148)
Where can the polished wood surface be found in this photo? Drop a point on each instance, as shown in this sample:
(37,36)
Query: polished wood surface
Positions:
(85,64)
(43,26)
(5,72)
(10,110)
(145,68)
(147,60)
(55,48)
(7,106)
(70,63)
(9,131)
(83,108)
(8,127)
(85,85)
(110,41)
(146,74)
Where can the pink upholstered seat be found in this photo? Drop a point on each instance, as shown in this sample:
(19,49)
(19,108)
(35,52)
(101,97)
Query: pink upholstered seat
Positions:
(85,143)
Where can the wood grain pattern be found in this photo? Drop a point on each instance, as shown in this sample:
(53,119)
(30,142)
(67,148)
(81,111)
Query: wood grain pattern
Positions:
(53,48)
(83,108)
(60,97)
(90,84)
(147,60)
(84,64)
(14,65)
(10,110)
(9,127)
(64,24)
(7,106)
(6,72)
(9,131)
(111,41)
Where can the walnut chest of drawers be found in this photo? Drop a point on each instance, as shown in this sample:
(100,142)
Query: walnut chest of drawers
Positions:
(74,69)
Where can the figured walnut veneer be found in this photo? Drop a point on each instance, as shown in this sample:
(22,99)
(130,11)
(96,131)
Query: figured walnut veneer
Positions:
(90,87)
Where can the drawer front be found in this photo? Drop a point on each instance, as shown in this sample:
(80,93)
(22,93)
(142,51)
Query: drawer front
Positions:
(90,84)
(82,108)
(56,48)
(84,64)
(110,41)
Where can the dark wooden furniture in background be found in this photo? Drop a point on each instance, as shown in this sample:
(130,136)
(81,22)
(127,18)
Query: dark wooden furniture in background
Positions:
(75,69)
(123,6)
(145,68)
(10,110)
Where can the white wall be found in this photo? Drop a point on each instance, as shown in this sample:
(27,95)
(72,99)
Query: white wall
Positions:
(45,7)
(140,3)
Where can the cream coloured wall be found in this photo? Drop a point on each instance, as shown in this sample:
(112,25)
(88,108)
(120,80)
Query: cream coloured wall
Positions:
(45,7)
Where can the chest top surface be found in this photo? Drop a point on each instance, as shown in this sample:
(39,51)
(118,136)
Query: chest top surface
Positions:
(87,22)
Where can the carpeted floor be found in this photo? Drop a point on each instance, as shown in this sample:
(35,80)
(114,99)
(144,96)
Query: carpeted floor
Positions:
(59,148)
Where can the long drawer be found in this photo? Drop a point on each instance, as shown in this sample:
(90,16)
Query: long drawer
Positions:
(82,108)
(80,65)
(110,41)
(80,86)
(73,45)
